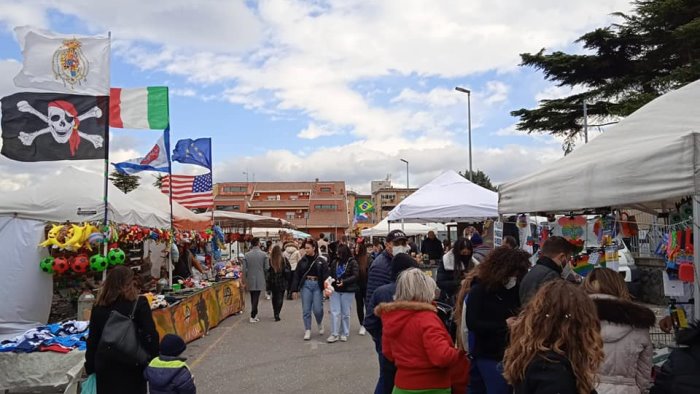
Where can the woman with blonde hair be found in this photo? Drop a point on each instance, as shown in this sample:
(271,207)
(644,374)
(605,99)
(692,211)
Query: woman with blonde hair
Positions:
(555,346)
(415,339)
(625,330)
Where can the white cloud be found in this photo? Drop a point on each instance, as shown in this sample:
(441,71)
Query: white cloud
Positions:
(496,92)
(186,92)
(314,131)
(438,97)
(556,92)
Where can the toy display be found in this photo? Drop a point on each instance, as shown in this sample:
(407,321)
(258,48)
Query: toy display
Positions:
(116,256)
(60,265)
(80,264)
(46,265)
(98,263)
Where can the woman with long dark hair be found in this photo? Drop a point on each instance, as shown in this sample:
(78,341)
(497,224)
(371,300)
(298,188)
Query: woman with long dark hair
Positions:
(362,258)
(344,271)
(555,345)
(119,293)
(280,269)
(492,300)
(311,272)
(454,265)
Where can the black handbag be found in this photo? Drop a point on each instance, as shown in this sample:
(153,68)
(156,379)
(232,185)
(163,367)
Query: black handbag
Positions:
(120,341)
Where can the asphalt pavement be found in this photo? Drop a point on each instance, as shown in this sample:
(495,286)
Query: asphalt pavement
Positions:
(272,357)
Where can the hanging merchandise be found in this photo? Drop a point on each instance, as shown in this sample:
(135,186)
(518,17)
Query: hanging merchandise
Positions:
(116,256)
(98,263)
(46,265)
(60,265)
(80,264)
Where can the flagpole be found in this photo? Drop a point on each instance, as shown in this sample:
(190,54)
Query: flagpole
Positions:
(106,174)
(170,200)
(211,171)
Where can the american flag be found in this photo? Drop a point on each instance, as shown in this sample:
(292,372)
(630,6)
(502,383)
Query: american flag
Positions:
(190,191)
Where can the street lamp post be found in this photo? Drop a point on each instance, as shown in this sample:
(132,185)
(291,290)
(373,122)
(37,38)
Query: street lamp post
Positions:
(407,184)
(469,125)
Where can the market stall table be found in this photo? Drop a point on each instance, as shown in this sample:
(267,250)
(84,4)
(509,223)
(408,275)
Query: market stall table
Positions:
(42,372)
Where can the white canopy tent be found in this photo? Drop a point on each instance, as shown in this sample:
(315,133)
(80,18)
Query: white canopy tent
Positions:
(448,198)
(648,161)
(273,232)
(245,220)
(184,219)
(382,229)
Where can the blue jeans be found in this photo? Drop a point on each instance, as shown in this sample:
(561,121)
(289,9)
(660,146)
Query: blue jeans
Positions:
(486,377)
(311,299)
(387,371)
(341,306)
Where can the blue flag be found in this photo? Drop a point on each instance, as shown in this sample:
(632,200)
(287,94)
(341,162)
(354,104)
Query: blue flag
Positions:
(156,159)
(193,152)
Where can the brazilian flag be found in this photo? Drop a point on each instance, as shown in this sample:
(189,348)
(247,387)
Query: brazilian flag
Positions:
(363,206)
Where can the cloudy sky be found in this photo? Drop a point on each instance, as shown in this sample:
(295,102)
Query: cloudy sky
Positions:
(336,90)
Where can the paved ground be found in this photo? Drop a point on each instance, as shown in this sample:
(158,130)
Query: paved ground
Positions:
(272,357)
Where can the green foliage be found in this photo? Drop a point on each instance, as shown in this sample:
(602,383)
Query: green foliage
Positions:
(654,49)
(123,182)
(480,178)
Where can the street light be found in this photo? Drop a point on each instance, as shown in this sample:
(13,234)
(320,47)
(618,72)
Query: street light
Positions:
(406,161)
(469,117)
(246,176)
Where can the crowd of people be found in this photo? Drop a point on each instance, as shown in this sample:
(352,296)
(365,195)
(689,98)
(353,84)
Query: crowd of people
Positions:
(508,327)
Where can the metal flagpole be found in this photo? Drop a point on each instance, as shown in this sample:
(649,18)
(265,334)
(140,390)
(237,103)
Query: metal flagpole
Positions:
(106,175)
(170,200)
(211,171)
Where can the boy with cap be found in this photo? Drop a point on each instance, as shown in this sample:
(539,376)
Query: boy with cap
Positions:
(168,373)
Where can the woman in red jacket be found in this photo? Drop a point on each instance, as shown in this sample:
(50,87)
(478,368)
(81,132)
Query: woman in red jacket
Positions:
(415,339)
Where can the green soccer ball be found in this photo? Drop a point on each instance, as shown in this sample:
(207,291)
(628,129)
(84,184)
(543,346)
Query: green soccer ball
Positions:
(98,263)
(46,265)
(116,257)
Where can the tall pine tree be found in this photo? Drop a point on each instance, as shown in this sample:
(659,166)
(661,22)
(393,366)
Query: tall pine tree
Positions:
(654,49)
(124,182)
(480,178)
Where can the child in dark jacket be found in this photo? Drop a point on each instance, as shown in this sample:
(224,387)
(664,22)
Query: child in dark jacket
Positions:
(168,373)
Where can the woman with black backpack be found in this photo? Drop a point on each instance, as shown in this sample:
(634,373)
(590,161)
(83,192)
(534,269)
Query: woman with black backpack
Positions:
(114,374)
(280,271)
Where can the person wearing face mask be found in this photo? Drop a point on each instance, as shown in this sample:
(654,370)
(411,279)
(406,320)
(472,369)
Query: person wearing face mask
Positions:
(493,299)
(554,258)
(454,266)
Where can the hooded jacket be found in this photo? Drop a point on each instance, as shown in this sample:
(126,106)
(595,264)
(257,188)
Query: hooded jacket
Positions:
(291,253)
(379,274)
(548,373)
(544,271)
(624,327)
(416,341)
(349,278)
(680,374)
(169,375)
(310,266)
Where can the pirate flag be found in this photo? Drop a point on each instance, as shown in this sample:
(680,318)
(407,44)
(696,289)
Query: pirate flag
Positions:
(50,126)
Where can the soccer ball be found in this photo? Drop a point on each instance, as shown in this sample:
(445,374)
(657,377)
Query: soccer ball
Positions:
(80,264)
(60,265)
(116,257)
(98,263)
(46,265)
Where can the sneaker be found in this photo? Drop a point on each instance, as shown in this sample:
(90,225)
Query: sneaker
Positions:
(307,335)
(343,338)
(362,330)
(332,339)
(321,330)
(267,296)
(254,320)
(277,318)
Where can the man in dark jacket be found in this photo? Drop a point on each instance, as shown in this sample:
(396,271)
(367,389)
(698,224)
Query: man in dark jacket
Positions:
(373,324)
(168,373)
(680,374)
(554,256)
(432,247)
(379,272)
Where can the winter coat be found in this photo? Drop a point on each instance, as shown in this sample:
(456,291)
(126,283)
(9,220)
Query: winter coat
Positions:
(277,281)
(446,279)
(255,265)
(487,312)
(379,274)
(680,374)
(113,377)
(319,268)
(432,247)
(372,322)
(544,271)
(624,327)
(349,278)
(169,375)
(548,373)
(292,254)
(416,341)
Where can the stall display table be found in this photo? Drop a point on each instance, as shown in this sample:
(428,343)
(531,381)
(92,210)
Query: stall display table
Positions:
(41,372)
(200,310)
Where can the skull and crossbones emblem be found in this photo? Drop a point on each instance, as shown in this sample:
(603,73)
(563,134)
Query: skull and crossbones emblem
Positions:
(63,122)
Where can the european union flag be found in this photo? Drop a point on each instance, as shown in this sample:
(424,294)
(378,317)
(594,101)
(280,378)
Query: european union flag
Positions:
(193,152)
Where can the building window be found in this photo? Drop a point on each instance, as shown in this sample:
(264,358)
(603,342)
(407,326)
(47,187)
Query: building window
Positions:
(273,198)
(325,190)
(266,213)
(325,207)
(293,197)
(235,189)
(228,207)
(290,215)
(387,196)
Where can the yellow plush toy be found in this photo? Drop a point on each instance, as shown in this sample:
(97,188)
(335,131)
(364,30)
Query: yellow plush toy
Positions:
(51,237)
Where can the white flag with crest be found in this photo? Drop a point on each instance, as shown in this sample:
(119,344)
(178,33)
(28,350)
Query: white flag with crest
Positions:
(72,64)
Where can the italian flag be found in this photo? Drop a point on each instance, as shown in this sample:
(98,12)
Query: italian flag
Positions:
(142,108)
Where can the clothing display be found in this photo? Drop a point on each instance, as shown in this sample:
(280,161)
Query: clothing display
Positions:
(57,337)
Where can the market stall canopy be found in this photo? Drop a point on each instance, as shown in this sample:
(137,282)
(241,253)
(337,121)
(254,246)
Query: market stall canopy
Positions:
(75,195)
(245,220)
(647,161)
(183,218)
(273,232)
(382,229)
(448,198)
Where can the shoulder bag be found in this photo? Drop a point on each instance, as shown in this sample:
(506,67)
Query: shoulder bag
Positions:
(120,341)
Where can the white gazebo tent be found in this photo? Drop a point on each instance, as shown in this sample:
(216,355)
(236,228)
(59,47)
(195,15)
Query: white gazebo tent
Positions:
(73,195)
(383,228)
(648,161)
(183,218)
(448,198)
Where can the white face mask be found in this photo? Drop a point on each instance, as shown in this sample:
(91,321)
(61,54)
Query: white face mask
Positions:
(511,282)
(401,249)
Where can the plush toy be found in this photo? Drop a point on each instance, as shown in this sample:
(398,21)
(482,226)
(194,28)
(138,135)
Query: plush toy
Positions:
(328,286)
(80,264)
(60,265)
(51,236)
(46,265)
(73,238)
(98,263)
(116,256)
